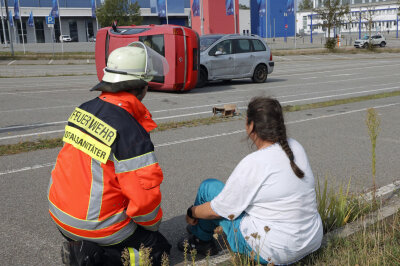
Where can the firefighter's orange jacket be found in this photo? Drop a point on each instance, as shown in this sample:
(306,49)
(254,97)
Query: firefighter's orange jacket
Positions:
(106,180)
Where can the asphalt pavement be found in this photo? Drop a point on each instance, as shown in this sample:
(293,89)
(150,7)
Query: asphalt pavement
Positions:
(335,139)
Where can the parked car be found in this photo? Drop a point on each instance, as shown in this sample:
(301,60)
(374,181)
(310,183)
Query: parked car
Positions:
(92,39)
(375,41)
(65,38)
(226,57)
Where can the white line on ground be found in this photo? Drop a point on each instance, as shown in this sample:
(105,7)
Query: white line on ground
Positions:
(12,62)
(48,91)
(37,109)
(212,136)
(339,56)
(279,97)
(33,134)
(283,58)
(174,116)
(342,69)
(310,78)
(340,75)
(312,57)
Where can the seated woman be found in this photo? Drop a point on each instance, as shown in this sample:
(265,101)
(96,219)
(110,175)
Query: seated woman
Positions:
(268,204)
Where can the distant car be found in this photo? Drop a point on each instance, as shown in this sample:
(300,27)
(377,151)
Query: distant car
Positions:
(65,38)
(226,57)
(375,41)
(92,39)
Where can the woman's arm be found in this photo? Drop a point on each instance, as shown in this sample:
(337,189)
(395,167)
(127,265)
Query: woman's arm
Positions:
(203,211)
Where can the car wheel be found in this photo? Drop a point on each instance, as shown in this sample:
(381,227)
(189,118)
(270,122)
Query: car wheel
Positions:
(202,78)
(383,44)
(260,74)
(365,45)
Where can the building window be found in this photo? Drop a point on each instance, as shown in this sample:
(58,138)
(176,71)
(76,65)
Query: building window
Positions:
(39,29)
(19,33)
(73,31)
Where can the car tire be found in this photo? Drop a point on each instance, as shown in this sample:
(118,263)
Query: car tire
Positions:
(365,45)
(383,44)
(260,74)
(203,77)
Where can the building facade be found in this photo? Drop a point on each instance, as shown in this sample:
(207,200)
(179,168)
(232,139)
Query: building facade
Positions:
(381,16)
(76,19)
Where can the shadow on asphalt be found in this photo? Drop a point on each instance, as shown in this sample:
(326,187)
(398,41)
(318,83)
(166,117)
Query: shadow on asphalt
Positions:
(174,229)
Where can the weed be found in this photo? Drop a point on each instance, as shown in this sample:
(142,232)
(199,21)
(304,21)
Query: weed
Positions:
(373,122)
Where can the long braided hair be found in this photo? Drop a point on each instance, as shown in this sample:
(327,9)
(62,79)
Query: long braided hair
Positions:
(267,116)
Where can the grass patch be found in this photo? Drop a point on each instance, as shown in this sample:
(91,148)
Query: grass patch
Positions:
(302,107)
(48,76)
(27,146)
(40,56)
(378,244)
(195,122)
(15,148)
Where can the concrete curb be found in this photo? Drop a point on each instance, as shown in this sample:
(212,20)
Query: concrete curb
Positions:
(388,192)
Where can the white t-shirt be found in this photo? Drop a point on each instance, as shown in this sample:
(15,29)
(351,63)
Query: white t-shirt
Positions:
(264,186)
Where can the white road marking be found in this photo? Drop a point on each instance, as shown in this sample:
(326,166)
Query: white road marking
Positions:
(282,57)
(328,71)
(38,166)
(37,109)
(48,91)
(28,168)
(174,116)
(312,57)
(310,78)
(339,56)
(340,75)
(12,62)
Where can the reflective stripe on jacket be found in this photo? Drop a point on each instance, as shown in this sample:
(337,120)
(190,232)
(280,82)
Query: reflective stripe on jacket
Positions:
(105,202)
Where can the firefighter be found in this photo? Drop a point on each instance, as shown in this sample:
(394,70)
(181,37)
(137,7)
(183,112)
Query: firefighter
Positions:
(104,192)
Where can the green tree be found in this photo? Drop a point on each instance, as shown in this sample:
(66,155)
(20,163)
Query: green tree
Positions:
(123,11)
(306,5)
(368,16)
(331,13)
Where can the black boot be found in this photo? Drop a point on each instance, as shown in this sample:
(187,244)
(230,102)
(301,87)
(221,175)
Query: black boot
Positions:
(202,247)
(82,253)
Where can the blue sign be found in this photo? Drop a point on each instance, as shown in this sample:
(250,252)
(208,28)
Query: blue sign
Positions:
(196,8)
(49,20)
(229,7)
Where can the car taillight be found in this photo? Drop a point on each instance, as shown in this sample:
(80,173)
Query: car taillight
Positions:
(270,56)
(178,31)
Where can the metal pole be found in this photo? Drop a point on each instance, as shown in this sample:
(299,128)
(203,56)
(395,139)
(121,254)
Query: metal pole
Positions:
(234,14)
(53,37)
(22,28)
(359,26)
(201,18)
(9,29)
(274,29)
(166,10)
(97,22)
(59,19)
(311,29)
(2,23)
(285,15)
(295,24)
(34,29)
(397,26)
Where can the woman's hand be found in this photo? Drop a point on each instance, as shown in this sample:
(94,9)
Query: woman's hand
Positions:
(191,221)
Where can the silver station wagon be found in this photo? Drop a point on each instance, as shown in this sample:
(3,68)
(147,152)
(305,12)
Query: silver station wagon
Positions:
(226,57)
